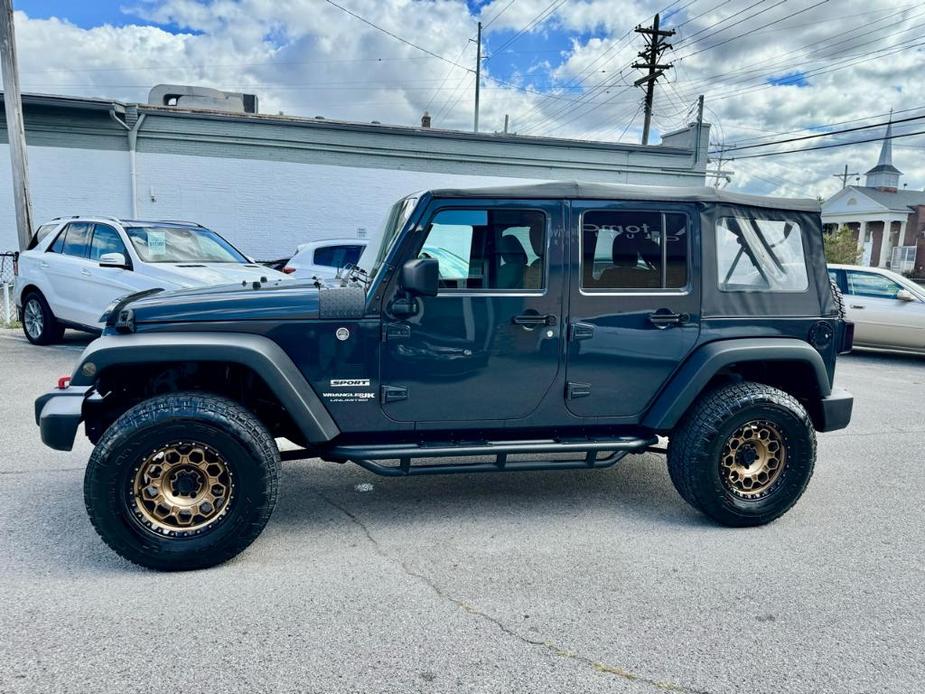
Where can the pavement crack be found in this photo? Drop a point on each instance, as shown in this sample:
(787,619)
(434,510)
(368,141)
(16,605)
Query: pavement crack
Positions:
(548,645)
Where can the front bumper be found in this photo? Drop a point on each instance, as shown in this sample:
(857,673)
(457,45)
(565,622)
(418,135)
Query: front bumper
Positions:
(836,410)
(58,415)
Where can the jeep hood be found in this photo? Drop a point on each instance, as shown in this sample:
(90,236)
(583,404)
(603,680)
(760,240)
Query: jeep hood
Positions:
(179,275)
(275,300)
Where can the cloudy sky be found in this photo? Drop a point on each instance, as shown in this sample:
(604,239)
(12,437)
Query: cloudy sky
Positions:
(769,69)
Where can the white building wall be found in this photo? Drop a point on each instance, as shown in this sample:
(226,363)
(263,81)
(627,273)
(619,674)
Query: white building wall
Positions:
(65,181)
(266,208)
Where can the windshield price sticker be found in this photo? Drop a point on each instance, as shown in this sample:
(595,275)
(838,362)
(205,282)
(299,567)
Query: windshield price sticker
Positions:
(157,242)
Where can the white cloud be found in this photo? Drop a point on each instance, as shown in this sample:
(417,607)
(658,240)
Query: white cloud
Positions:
(308,57)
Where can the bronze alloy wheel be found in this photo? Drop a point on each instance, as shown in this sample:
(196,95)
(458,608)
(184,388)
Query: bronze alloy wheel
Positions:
(181,489)
(753,459)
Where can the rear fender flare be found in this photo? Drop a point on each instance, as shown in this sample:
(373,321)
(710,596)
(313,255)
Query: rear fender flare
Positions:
(705,362)
(262,355)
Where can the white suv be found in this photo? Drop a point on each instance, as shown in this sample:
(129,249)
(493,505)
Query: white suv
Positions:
(77,266)
(323,259)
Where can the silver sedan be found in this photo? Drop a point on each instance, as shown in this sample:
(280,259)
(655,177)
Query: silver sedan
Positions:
(888,310)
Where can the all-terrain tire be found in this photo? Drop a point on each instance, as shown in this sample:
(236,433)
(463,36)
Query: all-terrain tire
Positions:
(839,299)
(38,322)
(713,441)
(165,443)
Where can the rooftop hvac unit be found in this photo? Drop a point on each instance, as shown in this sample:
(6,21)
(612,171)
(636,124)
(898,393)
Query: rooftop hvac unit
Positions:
(186,96)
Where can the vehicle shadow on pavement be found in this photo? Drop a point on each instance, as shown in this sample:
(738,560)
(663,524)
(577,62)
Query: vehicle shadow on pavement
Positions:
(637,490)
(884,358)
(316,497)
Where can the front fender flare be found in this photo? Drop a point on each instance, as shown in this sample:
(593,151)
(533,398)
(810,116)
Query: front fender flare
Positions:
(705,362)
(262,355)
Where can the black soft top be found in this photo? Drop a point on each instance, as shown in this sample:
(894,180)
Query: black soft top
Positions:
(607,191)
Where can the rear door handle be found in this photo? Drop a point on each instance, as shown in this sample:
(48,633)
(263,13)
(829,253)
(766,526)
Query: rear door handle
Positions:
(664,318)
(856,306)
(43,265)
(530,320)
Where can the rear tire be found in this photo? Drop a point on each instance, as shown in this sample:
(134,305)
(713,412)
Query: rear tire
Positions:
(38,322)
(183,481)
(744,455)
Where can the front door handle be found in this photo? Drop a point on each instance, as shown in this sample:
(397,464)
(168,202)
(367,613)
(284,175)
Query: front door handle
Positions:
(856,306)
(43,265)
(664,318)
(532,320)
(85,272)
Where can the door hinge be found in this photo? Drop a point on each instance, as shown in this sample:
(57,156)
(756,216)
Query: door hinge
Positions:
(395,331)
(580,331)
(573,391)
(393,394)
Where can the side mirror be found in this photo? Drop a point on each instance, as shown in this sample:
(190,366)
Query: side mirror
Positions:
(905,295)
(113,260)
(421,276)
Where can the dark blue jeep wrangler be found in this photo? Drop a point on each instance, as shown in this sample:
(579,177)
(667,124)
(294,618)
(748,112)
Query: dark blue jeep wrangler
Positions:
(492,325)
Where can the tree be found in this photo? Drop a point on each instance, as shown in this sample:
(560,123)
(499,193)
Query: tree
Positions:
(841,247)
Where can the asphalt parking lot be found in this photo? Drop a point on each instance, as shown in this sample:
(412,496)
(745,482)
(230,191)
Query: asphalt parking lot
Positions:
(530,582)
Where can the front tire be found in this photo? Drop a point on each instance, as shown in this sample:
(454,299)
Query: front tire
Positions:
(744,455)
(38,322)
(183,481)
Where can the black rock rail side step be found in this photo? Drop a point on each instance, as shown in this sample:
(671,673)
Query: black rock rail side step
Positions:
(367,455)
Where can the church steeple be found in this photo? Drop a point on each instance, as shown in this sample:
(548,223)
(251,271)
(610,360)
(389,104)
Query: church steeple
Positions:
(885,176)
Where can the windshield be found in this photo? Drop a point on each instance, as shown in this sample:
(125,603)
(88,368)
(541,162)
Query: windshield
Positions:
(398,215)
(155,244)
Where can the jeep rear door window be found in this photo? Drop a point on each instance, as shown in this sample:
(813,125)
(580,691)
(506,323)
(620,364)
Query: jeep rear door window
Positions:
(182,245)
(488,249)
(338,256)
(760,255)
(633,249)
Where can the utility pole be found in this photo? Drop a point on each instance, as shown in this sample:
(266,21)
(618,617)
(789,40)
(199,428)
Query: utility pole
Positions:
(478,75)
(699,129)
(15,129)
(655,47)
(845,176)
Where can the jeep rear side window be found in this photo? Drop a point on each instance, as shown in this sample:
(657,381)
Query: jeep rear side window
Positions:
(488,249)
(633,249)
(760,255)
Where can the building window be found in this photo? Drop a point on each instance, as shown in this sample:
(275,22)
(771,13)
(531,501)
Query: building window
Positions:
(633,249)
(760,255)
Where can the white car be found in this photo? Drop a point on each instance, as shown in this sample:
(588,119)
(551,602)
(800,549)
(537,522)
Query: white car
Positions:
(77,266)
(322,259)
(887,309)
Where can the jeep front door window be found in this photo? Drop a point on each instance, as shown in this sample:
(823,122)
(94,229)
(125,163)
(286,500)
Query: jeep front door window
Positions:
(488,249)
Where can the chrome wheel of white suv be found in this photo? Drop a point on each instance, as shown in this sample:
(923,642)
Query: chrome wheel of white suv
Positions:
(38,322)
(33,320)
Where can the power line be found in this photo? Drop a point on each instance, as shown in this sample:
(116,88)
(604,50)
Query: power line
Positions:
(831,146)
(495,18)
(783,60)
(543,15)
(818,135)
(396,36)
